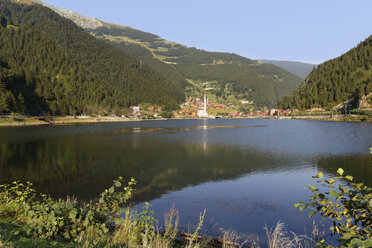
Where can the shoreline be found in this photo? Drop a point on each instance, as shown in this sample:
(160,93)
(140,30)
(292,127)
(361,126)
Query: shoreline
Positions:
(59,120)
(67,120)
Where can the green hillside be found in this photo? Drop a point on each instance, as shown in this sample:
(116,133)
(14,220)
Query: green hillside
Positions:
(55,66)
(36,75)
(346,78)
(231,74)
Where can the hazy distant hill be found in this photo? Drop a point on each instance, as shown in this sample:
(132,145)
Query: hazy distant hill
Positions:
(232,74)
(346,78)
(298,68)
(58,67)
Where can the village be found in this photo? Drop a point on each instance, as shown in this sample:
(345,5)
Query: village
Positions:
(204,108)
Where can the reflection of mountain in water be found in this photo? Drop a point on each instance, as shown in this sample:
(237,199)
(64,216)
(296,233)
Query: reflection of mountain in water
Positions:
(84,166)
(255,169)
(84,163)
(360,167)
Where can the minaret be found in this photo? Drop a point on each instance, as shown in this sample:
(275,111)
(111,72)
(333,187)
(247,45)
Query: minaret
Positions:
(203,112)
(205,106)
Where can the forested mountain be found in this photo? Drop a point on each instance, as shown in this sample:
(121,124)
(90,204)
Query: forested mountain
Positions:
(52,65)
(37,75)
(298,68)
(346,78)
(246,78)
(262,84)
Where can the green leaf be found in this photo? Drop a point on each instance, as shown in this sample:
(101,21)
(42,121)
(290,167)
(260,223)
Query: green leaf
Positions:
(370,202)
(296,205)
(355,241)
(367,243)
(346,236)
(340,171)
(303,207)
(111,190)
(72,214)
(350,178)
(66,235)
(334,193)
(319,175)
(311,214)
(331,181)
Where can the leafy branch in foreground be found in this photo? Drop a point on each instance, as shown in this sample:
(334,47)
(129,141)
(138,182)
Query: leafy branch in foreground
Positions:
(347,204)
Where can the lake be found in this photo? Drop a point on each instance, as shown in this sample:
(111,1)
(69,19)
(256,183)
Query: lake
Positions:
(245,173)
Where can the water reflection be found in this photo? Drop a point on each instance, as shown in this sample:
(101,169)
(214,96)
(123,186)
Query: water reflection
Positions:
(161,158)
(205,135)
(245,172)
(85,166)
(360,167)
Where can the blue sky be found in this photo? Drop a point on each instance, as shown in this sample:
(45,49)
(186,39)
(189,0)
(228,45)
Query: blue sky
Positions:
(299,30)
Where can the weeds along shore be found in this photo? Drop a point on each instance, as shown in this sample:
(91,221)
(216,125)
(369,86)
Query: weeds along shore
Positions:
(28,219)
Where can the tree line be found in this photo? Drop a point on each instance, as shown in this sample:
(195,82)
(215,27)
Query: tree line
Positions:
(348,77)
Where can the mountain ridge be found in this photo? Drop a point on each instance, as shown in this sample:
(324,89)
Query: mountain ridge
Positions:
(80,20)
(243,77)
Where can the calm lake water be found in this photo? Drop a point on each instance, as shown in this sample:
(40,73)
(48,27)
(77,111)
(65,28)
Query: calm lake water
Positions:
(245,173)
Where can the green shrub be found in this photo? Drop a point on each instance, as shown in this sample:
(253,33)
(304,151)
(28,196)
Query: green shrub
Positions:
(108,222)
(348,205)
(48,218)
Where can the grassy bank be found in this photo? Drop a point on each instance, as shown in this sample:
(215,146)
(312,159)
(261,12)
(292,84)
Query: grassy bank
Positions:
(58,120)
(341,118)
(353,115)
(20,121)
(31,220)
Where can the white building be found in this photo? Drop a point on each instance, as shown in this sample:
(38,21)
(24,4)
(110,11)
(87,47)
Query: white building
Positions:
(246,102)
(135,108)
(202,113)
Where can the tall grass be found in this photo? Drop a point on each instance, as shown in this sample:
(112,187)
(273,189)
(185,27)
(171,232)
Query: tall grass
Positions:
(279,238)
(232,239)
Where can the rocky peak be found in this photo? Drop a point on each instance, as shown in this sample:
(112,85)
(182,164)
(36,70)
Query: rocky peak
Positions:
(82,21)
